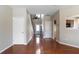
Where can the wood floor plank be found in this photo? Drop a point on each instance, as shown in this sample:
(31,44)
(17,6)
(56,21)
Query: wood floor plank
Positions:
(46,46)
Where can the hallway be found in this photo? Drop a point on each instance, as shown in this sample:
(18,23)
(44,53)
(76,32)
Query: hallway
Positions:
(46,46)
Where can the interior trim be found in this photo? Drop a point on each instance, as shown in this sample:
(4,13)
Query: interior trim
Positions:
(6,48)
(67,44)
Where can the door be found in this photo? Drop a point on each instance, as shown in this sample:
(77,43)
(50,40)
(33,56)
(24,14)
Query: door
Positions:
(19,30)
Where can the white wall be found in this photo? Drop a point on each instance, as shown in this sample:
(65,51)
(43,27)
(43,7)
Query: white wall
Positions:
(68,36)
(55,28)
(22,28)
(5,27)
(19,25)
(47,23)
(29,28)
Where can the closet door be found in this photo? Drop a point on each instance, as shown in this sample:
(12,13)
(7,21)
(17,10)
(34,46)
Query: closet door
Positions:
(47,27)
(19,30)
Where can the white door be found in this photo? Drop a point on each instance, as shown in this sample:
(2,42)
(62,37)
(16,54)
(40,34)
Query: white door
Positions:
(47,27)
(19,30)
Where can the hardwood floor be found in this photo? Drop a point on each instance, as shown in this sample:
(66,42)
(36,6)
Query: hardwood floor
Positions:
(45,46)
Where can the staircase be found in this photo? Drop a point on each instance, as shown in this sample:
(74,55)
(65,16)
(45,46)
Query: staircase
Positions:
(37,25)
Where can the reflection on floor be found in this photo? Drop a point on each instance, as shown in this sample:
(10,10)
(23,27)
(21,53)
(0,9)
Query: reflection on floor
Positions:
(41,46)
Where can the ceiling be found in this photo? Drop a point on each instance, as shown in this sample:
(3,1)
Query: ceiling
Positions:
(39,9)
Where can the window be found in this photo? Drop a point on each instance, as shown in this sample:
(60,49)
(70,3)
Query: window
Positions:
(37,27)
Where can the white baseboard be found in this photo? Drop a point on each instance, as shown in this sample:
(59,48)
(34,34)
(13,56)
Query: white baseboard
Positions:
(67,44)
(29,40)
(6,48)
(19,43)
(47,37)
(25,43)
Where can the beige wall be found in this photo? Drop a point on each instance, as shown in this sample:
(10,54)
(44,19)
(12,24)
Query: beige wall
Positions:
(68,36)
(5,27)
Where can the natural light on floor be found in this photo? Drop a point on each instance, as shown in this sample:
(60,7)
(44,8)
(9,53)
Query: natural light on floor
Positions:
(38,51)
(37,40)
